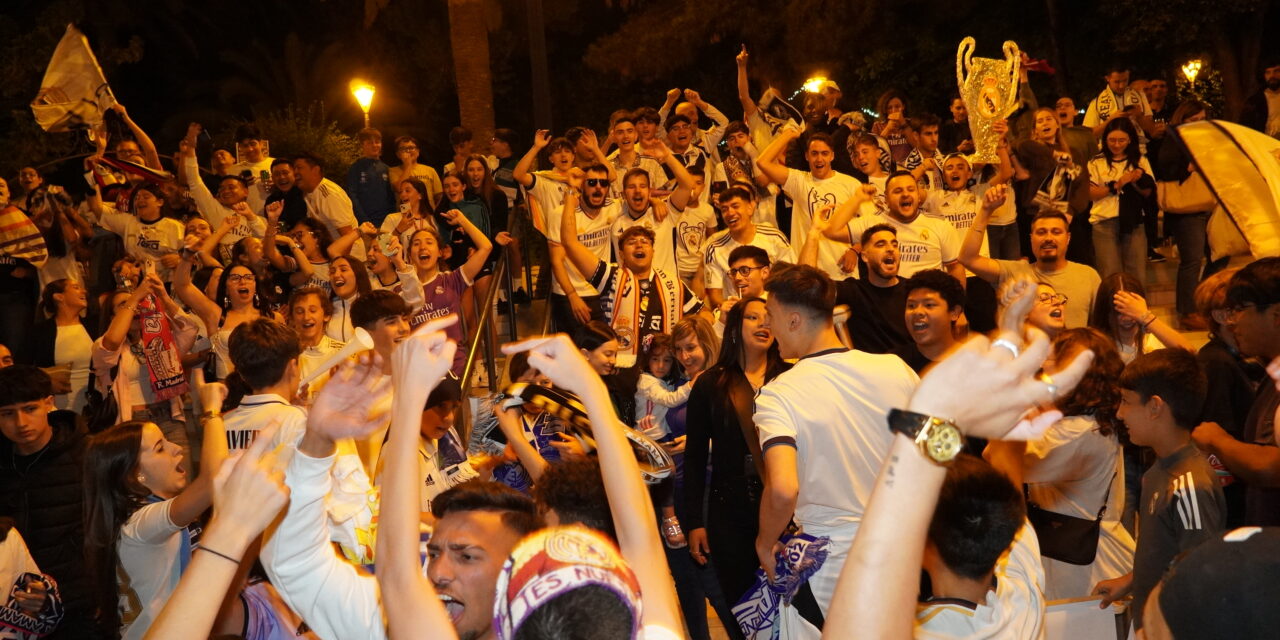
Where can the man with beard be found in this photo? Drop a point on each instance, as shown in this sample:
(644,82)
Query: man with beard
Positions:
(661,217)
(924,242)
(1050,235)
(738,207)
(810,190)
(1253,314)
(1262,109)
(877,301)
(622,130)
(635,297)
(574,301)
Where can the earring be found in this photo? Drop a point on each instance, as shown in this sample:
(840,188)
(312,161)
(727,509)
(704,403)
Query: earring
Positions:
(226,302)
(141,479)
(257,302)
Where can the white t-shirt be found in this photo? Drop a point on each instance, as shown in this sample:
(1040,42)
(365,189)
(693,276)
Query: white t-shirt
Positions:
(664,233)
(432,479)
(923,243)
(216,212)
(809,194)
(720,245)
(959,209)
(840,441)
(145,240)
(1014,610)
(1102,171)
(73,345)
(329,204)
(255,412)
(692,228)
(595,233)
(651,166)
(1070,469)
(259,190)
(150,547)
(310,359)
(394,219)
(549,194)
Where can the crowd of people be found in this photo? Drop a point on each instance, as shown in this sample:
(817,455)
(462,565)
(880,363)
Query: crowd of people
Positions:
(815,370)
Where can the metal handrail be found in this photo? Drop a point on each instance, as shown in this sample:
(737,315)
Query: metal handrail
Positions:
(502,277)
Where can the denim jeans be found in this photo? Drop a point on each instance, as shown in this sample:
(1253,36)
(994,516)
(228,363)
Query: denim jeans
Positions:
(1115,251)
(1188,231)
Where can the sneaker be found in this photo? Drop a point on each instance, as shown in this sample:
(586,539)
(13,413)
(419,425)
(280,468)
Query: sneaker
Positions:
(521,297)
(1154,256)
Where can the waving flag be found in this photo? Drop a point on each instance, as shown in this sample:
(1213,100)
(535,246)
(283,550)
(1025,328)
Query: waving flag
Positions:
(74,94)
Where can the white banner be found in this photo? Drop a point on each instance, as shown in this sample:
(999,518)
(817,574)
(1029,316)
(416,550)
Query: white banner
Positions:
(74,94)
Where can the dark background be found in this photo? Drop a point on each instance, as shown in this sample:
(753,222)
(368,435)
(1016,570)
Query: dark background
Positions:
(172,62)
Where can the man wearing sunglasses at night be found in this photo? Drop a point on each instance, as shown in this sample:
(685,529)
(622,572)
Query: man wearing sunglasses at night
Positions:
(594,215)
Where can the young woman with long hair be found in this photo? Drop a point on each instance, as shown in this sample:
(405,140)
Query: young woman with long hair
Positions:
(1120,312)
(721,431)
(1076,468)
(138,507)
(1120,181)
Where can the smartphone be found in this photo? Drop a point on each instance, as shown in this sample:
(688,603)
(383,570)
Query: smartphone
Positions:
(404,208)
(384,245)
(148,267)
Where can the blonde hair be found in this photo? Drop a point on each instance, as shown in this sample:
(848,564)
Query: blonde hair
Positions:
(703,332)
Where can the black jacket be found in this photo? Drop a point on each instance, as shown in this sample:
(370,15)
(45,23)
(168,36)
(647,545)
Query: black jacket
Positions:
(1254,114)
(44,340)
(43,494)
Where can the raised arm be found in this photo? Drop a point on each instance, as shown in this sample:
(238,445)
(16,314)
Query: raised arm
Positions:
(768,161)
(509,421)
(1135,306)
(986,268)
(716,132)
(838,227)
(412,607)
(818,228)
(594,143)
(118,331)
(744,87)
(245,501)
(685,185)
(579,255)
(342,246)
(629,502)
(198,495)
(522,172)
(144,141)
(475,262)
(877,590)
(208,310)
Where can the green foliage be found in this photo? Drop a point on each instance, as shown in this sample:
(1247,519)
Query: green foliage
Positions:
(293,130)
(1207,89)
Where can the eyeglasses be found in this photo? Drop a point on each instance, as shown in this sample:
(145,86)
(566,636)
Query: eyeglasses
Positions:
(299,235)
(241,277)
(1234,312)
(743,271)
(1052,298)
(679,127)
(597,182)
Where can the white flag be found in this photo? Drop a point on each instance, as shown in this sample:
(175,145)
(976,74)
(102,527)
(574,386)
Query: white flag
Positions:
(1242,167)
(74,94)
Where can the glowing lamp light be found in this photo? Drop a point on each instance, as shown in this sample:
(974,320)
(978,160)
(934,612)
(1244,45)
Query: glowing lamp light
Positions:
(363,93)
(1192,69)
(814,84)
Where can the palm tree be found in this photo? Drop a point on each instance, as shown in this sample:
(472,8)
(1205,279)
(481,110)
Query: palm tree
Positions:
(469,41)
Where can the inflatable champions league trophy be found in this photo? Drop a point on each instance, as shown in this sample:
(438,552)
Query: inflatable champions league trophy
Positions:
(990,93)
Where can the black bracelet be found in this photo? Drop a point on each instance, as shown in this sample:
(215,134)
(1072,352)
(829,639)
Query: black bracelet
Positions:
(219,554)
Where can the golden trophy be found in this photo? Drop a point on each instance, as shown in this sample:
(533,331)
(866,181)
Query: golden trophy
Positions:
(989,89)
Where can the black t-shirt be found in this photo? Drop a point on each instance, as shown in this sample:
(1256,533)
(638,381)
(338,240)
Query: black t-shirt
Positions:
(911,355)
(876,322)
(1233,383)
(295,206)
(1262,504)
(951,134)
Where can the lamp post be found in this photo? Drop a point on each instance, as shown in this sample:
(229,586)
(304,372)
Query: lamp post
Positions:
(815,84)
(1190,70)
(363,93)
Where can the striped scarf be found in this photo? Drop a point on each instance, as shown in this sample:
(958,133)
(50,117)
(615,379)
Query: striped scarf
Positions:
(20,238)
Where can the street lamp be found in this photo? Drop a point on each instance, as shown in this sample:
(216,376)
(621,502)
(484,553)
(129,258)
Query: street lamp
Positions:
(363,92)
(815,84)
(1192,69)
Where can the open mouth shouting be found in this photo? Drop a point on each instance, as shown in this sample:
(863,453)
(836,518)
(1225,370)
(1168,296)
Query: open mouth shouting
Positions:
(454,607)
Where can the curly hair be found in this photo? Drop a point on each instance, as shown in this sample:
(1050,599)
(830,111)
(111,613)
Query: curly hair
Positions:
(1098,393)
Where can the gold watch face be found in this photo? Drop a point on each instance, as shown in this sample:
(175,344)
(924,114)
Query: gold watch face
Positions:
(944,441)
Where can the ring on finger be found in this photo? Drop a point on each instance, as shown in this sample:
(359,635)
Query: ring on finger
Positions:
(1048,383)
(1007,344)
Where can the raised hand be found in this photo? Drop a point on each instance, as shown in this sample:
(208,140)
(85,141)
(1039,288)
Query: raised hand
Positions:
(355,402)
(995,197)
(274,210)
(541,139)
(693,97)
(1003,374)
(248,492)
(1130,304)
(575,178)
(673,95)
(421,361)
(742,57)
(563,363)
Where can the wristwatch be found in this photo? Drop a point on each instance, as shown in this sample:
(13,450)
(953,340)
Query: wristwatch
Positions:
(938,438)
